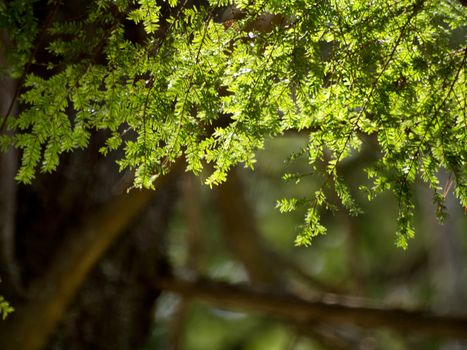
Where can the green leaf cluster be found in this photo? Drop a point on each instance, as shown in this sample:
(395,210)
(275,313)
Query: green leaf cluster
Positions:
(211,91)
(5,308)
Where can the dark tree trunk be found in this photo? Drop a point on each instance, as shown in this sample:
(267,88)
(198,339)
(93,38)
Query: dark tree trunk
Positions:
(100,303)
(10,279)
(114,308)
(55,235)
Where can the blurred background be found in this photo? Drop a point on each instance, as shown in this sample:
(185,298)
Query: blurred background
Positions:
(356,258)
(232,234)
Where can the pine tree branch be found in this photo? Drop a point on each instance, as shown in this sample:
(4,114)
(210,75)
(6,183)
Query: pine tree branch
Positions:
(300,310)
(29,63)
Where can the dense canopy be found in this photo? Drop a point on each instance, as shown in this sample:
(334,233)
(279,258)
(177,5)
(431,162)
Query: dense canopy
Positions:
(210,81)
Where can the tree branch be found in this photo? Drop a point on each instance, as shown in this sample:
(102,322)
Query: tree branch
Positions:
(30,61)
(301,310)
(241,234)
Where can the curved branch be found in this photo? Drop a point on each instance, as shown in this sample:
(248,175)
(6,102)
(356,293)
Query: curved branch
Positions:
(297,309)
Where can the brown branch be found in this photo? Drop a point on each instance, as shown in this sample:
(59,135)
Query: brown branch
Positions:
(241,233)
(31,325)
(353,256)
(177,324)
(300,310)
(192,215)
(263,22)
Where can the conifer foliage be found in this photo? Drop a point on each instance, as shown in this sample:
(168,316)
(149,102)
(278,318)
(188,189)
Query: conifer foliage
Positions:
(5,308)
(209,81)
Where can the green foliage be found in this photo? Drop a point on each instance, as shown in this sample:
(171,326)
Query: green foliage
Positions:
(5,308)
(18,18)
(345,72)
